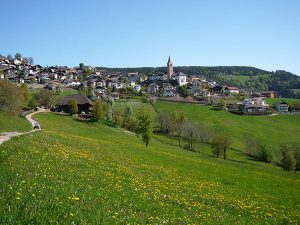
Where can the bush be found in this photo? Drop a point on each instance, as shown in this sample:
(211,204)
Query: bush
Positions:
(288,161)
(261,153)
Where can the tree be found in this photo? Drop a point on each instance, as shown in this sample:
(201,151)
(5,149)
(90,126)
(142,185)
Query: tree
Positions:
(145,125)
(222,104)
(9,57)
(262,153)
(165,121)
(18,56)
(250,145)
(226,142)
(183,91)
(58,89)
(44,97)
(117,117)
(84,90)
(189,129)
(216,146)
(127,115)
(99,109)
(26,94)
(296,149)
(221,144)
(91,93)
(81,65)
(11,97)
(203,136)
(179,119)
(288,161)
(30,60)
(72,106)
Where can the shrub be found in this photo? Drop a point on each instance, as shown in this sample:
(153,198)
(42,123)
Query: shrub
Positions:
(288,161)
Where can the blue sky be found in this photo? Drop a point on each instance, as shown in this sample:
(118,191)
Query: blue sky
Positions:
(134,33)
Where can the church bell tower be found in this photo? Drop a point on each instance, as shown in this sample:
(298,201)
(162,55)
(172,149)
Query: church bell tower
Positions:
(170,68)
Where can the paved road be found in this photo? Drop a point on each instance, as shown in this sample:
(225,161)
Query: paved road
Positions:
(5,136)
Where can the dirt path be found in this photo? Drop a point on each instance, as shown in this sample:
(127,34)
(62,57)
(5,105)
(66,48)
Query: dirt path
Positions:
(5,136)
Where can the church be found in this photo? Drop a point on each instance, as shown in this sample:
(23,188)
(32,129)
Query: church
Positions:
(178,76)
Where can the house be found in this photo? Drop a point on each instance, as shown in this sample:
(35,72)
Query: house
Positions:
(231,90)
(282,107)
(254,106)
(84,104)
(167,87)
(168,93)
(180,78)
(152,88)
(216,90)
(155,77)
(137,87)
(266,94)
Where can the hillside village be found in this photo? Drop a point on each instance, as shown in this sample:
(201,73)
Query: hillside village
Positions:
(172,85)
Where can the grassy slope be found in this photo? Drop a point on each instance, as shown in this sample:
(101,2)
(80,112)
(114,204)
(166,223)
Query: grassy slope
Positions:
(135,105)
(13,123)
(290,101)
(90,173)
(272,130)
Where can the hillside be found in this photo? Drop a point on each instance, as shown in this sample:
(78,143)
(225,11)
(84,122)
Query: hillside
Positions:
(87,173)
(271,130)
(249,78)
(13,123)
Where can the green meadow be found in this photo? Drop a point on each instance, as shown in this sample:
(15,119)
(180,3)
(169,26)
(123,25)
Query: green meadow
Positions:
(271,130)
(76,172)
(290,101)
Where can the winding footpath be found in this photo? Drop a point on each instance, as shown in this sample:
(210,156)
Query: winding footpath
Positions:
(5,136)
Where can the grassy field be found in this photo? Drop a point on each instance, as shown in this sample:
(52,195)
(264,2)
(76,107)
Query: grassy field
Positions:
(271,130)
(90,173)
(290,101)
(135,105)
(13,123)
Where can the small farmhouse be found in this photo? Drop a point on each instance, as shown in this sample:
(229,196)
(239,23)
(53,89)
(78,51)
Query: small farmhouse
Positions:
(231,90)
(282,107)
(84,104)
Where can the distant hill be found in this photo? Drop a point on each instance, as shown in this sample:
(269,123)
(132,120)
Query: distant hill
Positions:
(249,78)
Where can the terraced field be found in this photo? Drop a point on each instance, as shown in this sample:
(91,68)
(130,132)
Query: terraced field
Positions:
(94,173)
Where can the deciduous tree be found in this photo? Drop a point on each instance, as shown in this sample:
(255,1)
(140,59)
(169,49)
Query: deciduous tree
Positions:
(99,109)
(145,125)
(288,161)
(179,120)
(11,97)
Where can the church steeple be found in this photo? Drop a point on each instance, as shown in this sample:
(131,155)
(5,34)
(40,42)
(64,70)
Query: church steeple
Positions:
(170,68)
